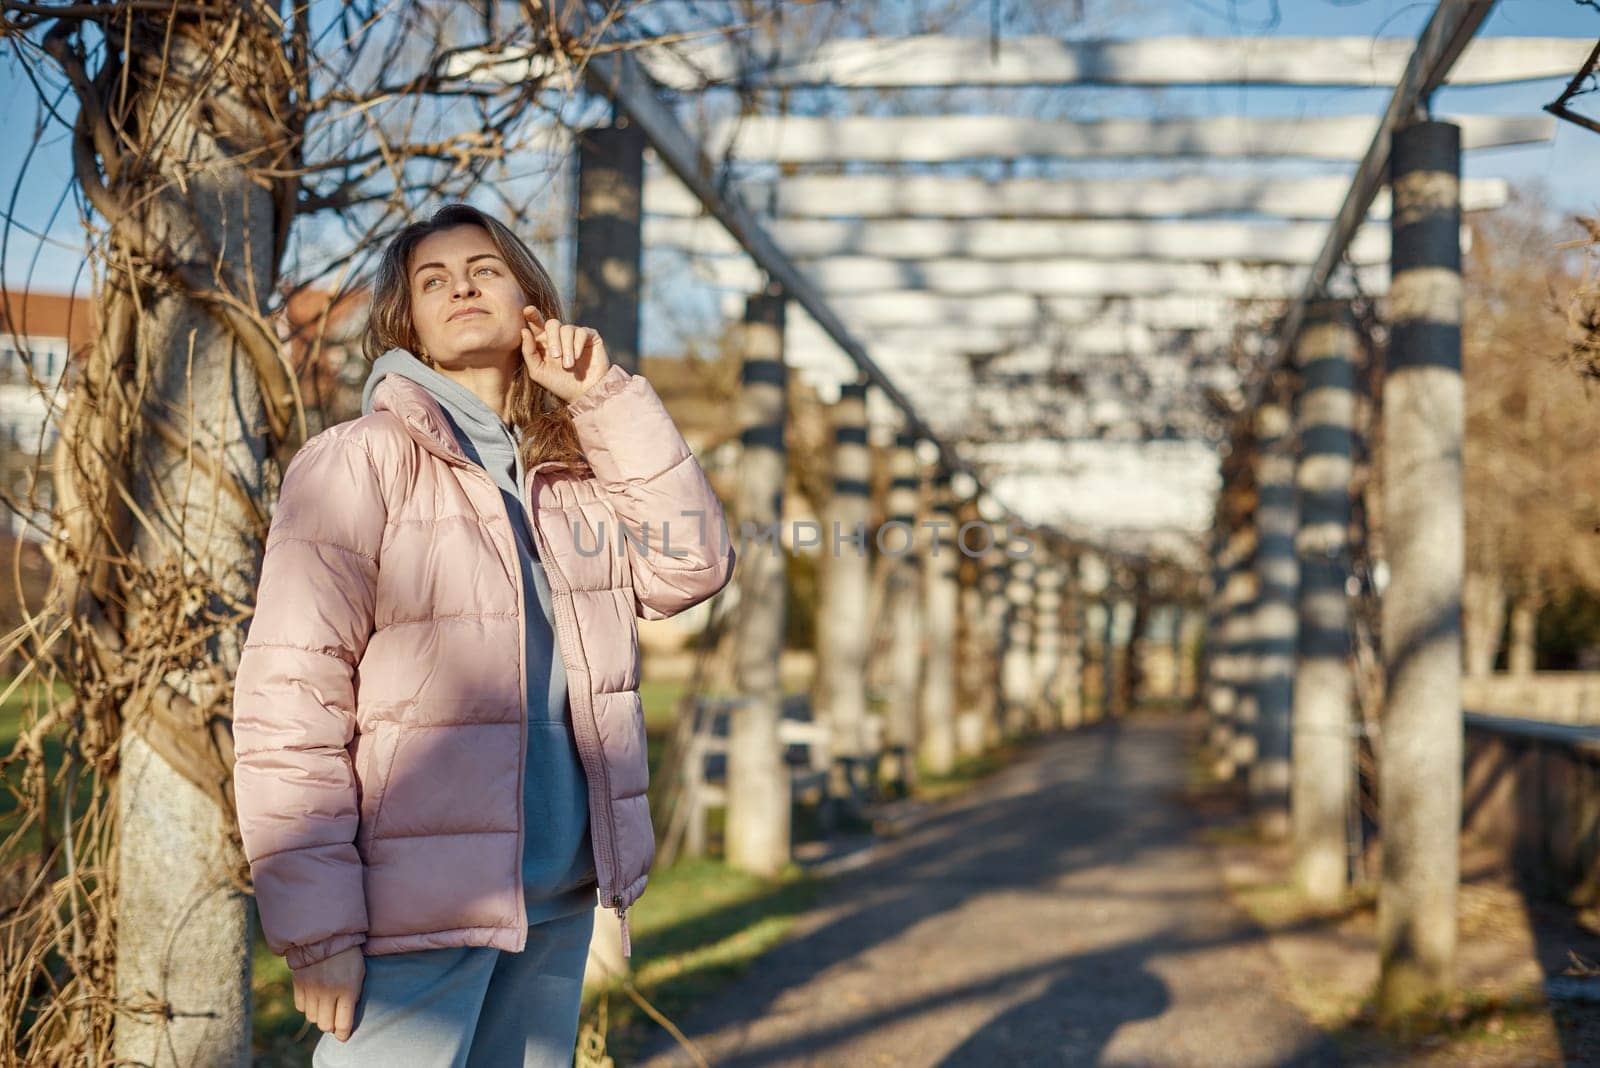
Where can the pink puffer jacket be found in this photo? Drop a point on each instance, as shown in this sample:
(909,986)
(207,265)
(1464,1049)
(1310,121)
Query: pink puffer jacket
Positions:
(380,718)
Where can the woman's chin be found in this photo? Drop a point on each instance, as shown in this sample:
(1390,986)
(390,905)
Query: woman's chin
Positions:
(487,351)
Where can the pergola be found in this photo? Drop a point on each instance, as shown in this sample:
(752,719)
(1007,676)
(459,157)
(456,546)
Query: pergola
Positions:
(1016,335)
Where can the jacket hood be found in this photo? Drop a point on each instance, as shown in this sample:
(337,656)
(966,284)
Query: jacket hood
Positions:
(404,385)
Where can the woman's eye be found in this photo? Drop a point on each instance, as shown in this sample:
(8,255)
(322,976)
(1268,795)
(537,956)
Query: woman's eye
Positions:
(429,282)
(489,269)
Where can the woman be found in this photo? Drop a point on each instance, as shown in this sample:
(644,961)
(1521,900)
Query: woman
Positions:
(440,753)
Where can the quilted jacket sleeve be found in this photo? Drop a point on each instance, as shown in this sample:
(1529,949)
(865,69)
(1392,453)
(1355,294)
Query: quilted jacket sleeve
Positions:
(294,701)
(678,545)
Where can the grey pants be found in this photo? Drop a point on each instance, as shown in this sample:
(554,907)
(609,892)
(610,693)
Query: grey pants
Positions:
(471,1006)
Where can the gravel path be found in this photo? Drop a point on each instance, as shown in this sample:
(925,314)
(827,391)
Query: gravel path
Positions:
(1060,913)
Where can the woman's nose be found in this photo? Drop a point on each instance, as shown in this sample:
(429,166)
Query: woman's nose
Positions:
(466,288)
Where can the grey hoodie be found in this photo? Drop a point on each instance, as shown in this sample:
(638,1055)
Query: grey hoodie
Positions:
(557,854)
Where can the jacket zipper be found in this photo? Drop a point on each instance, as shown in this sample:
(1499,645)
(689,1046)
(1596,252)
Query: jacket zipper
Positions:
(599,830)
(522,646)
(594,767)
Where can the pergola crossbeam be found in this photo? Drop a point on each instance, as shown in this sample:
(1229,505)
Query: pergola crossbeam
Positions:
(1441,43)
(958,278)
(951,138)
(1017,239)
(902,196)
(619,77)
(948,61)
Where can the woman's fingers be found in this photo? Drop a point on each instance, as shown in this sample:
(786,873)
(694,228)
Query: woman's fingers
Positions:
(343,1017)
(552,340)
(530,344)
(569,345)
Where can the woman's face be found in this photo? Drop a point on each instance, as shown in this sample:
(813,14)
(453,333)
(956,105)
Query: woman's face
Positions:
(465,304)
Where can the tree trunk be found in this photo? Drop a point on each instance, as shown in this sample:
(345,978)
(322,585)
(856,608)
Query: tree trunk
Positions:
(1521,650)
(1483,597)
(166,460)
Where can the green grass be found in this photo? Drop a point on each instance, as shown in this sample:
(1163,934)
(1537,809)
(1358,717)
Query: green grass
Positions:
(16,711)
(282,1036)
(967,772)
(696,930)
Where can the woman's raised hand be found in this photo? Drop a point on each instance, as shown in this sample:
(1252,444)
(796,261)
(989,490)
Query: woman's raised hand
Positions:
(564,359)
(326,991)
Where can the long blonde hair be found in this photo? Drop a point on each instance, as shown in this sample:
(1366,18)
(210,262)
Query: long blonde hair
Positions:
(540,416)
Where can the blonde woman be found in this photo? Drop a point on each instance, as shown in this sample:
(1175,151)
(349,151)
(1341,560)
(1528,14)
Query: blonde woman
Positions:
(440,748)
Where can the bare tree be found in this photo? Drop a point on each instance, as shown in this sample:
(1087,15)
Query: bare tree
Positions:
(224,154)
(1530,469)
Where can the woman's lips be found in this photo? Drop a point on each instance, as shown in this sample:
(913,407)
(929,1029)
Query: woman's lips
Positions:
(465,313)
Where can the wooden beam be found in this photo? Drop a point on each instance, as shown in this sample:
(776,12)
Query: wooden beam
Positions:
(947,138)
(1017,239)
(897,196)
(928,60)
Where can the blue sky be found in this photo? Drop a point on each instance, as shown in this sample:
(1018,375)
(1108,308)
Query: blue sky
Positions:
(1566,166)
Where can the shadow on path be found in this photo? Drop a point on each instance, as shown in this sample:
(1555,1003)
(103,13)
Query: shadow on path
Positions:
(1058,913)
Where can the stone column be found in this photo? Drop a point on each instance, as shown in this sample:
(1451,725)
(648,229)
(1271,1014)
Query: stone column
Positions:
(844,624)
(903,603)
(993,582)
(1047,642)
(1238,637)
(977,659)
(1324,693)
(758,780)
(1016,665)
(1110,698)
(1419,775)
(1275,619)
(1070,685)
(937,737)
(610,178)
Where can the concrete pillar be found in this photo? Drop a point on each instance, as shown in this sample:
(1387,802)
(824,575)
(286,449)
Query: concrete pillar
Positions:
(1191,632)
(1180,618)
(1047,642)
(1110,698)
(1016,665)
(941,598)
(1419,774)
(1275,619)
(607,250)
(758,780)
(993,580)
(976,657)
(1218,690)
(1089,578)
(1324,689)
(1242,640)
(1069,688)
(844,622)
(610,178)
(901,539)
(1132,686)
